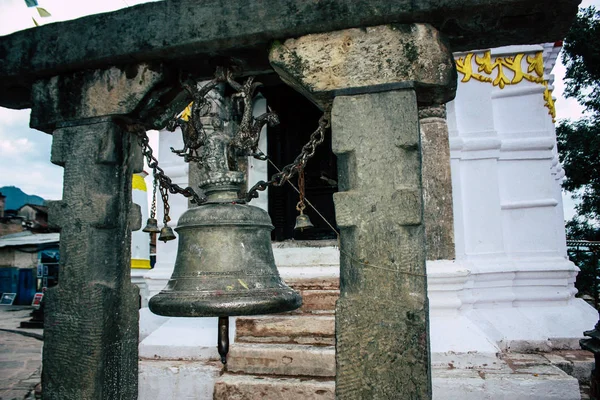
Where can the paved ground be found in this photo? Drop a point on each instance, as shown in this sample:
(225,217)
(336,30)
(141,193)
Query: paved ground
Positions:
(20,354)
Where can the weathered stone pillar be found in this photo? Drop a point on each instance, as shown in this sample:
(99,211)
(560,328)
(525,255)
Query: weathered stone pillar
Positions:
(376,76)
(91,318)
(381,317)
(437,183)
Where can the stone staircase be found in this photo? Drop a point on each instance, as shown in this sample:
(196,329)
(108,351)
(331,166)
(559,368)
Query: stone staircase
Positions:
(291,356)
(285,356)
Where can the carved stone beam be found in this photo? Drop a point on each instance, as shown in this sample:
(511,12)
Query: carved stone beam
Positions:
(369,60)
(374,78)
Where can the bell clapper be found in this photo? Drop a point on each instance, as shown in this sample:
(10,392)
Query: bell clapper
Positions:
(223,339)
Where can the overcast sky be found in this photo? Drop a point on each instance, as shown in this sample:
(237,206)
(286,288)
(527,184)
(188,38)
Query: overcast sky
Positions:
(25,153)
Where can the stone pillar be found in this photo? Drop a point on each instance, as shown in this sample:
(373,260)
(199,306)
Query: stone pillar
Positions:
(381,317)
(140,240)
(437,183)
(376,76)
(91,329)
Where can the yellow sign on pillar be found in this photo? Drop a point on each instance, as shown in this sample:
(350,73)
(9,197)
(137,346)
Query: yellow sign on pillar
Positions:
(140,241)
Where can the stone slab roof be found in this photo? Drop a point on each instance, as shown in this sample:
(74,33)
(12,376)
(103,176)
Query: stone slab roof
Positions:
(203,32)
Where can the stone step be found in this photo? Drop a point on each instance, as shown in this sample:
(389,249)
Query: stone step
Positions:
(313,283)
(170,379)
(282,360)
(577,363)
(318,294)
(464,377)
(296,329)
(245,387)
(317,302)
(511,376)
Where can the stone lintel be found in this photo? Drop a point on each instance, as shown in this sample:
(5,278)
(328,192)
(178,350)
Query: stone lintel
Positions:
(144,92)
(367,60)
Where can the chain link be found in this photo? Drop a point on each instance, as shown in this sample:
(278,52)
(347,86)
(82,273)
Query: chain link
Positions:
(153,208)
(290,170)
(164,193)
(301,206)
(166,185)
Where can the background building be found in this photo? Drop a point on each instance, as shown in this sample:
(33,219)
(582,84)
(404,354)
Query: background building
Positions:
(28,263)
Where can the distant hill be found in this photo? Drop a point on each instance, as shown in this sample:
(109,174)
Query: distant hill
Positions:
(15,198)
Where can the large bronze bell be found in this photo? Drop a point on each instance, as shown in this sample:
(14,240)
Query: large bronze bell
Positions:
(224,266)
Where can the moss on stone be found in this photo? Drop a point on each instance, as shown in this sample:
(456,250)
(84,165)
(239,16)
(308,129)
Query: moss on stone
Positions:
(287,59)
(411,52)
(296,65)
(275,46)
(404,28)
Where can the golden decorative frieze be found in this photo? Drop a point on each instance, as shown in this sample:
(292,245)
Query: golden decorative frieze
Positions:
(507,70)
(549,101)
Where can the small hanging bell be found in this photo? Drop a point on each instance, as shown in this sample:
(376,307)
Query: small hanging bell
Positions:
(151,226)
(303,222)
(166,234)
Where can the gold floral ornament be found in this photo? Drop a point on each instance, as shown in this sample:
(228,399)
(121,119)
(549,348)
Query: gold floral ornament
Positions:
(507,70)
(549,101)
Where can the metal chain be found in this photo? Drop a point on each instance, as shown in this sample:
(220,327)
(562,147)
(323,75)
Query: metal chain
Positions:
(164,193)
(248,136)
(301,206)
(166,185)
(153,208)
(290,170)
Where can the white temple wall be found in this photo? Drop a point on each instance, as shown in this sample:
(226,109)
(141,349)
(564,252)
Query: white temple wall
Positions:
(509,224)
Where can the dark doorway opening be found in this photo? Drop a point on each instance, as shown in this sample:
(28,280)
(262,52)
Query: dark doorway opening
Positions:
(298,120)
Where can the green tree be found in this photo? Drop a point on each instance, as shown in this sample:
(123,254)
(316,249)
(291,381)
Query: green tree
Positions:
(579,145)
(579,141)
(586,258)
